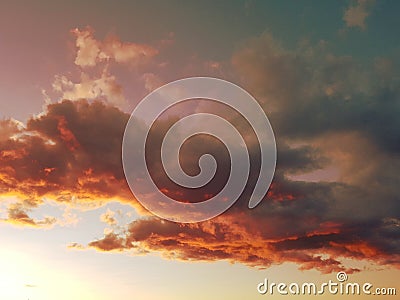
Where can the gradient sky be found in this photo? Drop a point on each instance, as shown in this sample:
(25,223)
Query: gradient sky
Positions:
(327,73)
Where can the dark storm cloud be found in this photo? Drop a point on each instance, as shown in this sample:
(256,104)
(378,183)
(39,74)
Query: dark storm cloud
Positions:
(325,110)
(311,91)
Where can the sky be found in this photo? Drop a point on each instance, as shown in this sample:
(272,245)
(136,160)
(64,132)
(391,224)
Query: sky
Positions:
(327,75)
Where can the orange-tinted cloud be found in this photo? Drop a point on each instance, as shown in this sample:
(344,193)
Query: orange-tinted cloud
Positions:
(70,153)
(322,111)
(92,51)
(101,83)
(105,86)
(229,238)
(109,217)
(18,215)
(67,136)
(78,159)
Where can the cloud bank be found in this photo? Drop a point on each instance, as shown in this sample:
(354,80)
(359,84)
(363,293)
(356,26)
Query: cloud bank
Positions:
(326,110)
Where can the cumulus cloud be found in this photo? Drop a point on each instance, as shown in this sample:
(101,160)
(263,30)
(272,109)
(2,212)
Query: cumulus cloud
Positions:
(70,153)
(99,83)
(105,87)
(356,14)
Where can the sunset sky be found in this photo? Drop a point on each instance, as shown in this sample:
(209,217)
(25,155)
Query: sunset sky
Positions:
(327,74)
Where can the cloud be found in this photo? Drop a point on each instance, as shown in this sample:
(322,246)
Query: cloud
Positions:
(235,240)
(18,215)
(316,225)
(152,81)
(110,242)
(105,87)
(9,128)
(313,224)
(311,92)
(95,59)
(354,127)
(68,218)
(91,51)
(109,217)
(356,14)
(88,48)
(69,153)
(325,110)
